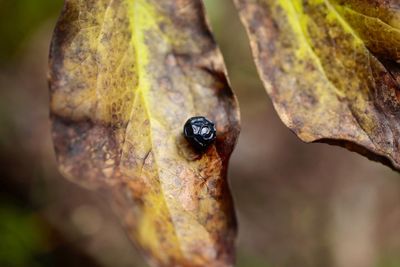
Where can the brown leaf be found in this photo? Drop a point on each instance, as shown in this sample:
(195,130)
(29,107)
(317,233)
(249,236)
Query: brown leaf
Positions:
(125,76)
(331,68)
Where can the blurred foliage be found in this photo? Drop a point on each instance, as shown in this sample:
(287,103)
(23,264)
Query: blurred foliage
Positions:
(389,261)
(18,19)
(23,239)
(249,260)
(6,124)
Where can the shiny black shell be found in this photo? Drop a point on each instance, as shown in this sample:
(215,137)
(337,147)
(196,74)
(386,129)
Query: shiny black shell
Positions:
(200,132)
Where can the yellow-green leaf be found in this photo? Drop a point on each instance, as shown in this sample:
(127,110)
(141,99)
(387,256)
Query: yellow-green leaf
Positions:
(331,68)
(125,75)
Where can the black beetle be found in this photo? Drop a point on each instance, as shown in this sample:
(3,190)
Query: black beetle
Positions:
(200,132)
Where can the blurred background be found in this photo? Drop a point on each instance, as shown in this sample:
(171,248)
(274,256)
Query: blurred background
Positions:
(298,205)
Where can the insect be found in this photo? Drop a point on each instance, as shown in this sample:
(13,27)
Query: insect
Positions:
(200,132)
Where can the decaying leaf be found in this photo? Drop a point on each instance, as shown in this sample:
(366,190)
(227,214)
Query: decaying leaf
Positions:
(125,76)
(332,69)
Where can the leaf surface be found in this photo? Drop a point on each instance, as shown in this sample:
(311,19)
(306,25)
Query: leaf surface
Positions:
(331,68)
(125,75)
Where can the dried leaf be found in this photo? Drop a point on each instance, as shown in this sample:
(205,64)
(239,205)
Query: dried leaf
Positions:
(125,76)
(332,69)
